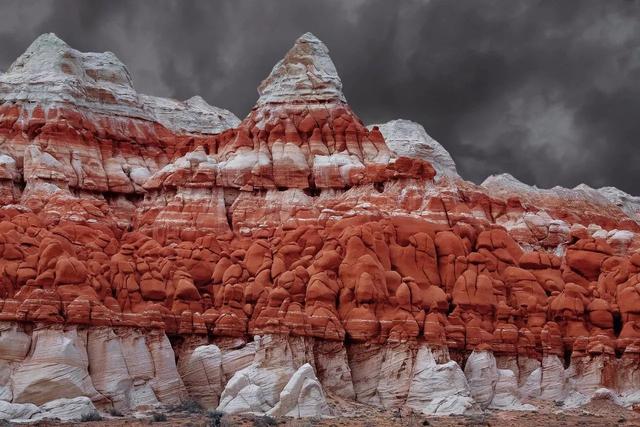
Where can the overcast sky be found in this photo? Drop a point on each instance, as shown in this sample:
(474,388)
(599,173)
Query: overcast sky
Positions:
(548,91)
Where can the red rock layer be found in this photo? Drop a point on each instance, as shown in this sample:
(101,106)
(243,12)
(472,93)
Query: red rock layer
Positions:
(304,146)
(77,165)
(368,279)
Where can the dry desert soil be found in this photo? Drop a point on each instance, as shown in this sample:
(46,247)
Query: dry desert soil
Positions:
(598,413)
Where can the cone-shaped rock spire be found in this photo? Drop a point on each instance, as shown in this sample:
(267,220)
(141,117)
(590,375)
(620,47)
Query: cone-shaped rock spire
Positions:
(305,74)
(44,54)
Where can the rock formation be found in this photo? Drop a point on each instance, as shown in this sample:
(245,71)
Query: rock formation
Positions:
(407,138)
(154,251)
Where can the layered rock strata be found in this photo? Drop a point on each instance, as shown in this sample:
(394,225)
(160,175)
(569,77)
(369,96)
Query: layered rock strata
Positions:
(154,251)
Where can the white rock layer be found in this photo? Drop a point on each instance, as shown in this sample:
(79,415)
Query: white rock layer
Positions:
(201,371)
(68,369)
(51,73)
(65,410)
(14,347)
(56,367)
(505,394)
(482,375)
(333,369)
(302,396)
(11,411)
(306,73)
(257,387)
(410,139)
(438,389)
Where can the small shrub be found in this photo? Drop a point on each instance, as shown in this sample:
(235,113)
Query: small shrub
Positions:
(158,417)
(264,421)
(91,416)
(190,406)
(115,413)
(216,418)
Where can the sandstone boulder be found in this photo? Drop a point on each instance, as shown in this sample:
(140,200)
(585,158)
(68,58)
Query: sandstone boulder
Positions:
(302,396)
(439,389)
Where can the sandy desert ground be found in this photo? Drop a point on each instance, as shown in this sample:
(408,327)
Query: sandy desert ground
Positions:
(597,413)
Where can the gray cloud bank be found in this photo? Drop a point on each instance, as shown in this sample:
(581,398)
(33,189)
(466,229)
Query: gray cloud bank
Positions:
(546,90)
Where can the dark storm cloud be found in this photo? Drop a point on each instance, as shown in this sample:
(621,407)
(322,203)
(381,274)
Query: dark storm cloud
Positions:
(548,91)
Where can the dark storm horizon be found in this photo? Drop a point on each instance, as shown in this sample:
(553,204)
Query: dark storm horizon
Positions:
(546,91)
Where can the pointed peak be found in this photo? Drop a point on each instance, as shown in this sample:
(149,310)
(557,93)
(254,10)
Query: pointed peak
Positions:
(308,37)
(44,49)
(506,181)
(197,102)
(50,56)
(305,74)
(48,40)
(51,71)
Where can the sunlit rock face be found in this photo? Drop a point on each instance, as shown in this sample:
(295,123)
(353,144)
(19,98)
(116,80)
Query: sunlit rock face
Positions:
(154,251)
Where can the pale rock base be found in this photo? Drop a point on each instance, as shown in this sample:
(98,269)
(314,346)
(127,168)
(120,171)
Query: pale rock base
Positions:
(438,388)
(333,369)
(482,375)
(140,367)
(257,387)
(521,366)
(236,359)
(381,374)
(11,411)
(492,387)
(547,382)
(124,368)
(506,392)
(586,374)
(66,410)
(56,367)
(166,383)
(365,361)
(201,371)
(132,368)
(108,369)
(302,396)
(14,347)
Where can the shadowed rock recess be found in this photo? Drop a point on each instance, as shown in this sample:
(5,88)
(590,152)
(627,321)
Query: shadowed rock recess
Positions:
(154,251)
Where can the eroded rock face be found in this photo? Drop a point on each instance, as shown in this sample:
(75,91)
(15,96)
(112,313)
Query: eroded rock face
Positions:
(56,367)
(201,371)
(11,411)
(439,388)
(124,368)
(302,396)
(407,138)
(259,386)
(153,251)
(306,74)
(65,410)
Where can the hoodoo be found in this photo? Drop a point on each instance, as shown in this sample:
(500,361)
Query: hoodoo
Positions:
(154,251)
